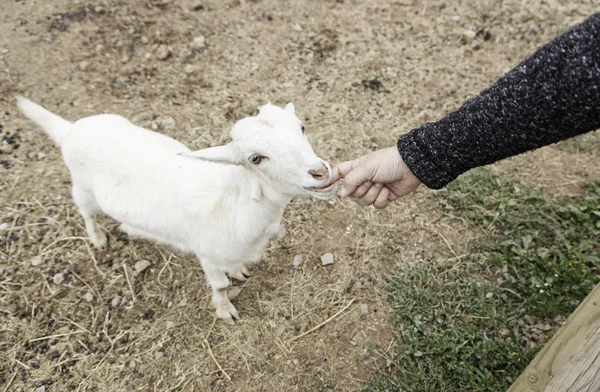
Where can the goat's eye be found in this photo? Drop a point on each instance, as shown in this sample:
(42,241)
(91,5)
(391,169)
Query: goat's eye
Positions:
(255,159)
(302,128)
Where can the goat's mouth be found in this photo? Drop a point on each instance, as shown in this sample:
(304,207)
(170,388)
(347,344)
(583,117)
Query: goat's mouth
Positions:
(325,189)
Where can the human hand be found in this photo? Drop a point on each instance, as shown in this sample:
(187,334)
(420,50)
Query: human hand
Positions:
(377,178)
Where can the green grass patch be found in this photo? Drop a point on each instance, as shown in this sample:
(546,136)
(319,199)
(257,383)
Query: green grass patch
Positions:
(475,323)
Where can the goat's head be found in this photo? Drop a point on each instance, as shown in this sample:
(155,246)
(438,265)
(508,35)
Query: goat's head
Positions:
(274,144)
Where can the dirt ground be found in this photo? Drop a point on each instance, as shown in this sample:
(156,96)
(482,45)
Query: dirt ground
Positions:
(360,72)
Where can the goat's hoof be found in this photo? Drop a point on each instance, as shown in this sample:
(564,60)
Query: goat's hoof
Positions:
(227,312)
(240,274)
(98,240)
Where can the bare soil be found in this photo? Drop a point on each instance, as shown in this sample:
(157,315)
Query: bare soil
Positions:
(360,73)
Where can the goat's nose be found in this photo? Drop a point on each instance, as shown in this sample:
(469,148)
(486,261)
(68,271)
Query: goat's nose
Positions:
(320,174)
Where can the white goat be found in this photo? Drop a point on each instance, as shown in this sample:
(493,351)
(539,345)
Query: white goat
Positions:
(223,203)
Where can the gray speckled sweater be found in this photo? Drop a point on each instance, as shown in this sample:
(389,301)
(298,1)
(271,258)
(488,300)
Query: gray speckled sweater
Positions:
(551,96)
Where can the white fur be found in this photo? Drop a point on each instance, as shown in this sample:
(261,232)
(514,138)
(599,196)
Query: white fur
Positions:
(212,202)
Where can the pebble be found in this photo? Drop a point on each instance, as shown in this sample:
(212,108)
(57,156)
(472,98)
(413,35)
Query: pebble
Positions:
(141,265)
(170,324)
(199,42)
(279,330)
(327,259)
(58,278)
(132,365)
(144,40)
(40,156)
(3,226)
(163,52)
(84,65)
(297,27)
(191,69)
(88,297)
(166,123)
(504,332)
(6,149)
(1,269)
(36,261)
(115,302)
(297,260)
(158,355)
(183,302)
(364,309)
(41,389)
(470,34)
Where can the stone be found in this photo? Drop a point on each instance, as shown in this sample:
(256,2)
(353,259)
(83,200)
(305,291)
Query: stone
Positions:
(84,65)
(141,265)
(88,297)
(199,42)
(170,324)
(297,260)
(163,52)
(469,34)
(190,69)
(279,330)
(7,149)
(36,261)
(115,302)
(364,309)
(58,278)
(327,259)
(166,123)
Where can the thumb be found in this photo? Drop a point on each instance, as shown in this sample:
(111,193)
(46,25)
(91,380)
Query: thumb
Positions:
(354,179)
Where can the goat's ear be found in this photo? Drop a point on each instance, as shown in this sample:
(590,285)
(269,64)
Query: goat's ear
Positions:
(290,108)
(221,154)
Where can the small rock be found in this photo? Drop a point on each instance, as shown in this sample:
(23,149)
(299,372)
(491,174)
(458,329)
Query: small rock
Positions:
(327,259)
(364,309)
(545,327)
(1,269)
(504,332)
(158,355)
(144,40)
(297,27)
(6,149)
(163,52)
(183,302)
(170,324)
(132,365)
(199,42)
(36,261)
(41,389)
(166,123)
(115,302)
(40,156)
(58,278)
(88,297)
(3,226)
(191,69)
(297,260)
(141,265)
(233,292)
(417,354)
(489,295)
(279,330)
(84,65)
(467,319)
(469,34)
(99,10)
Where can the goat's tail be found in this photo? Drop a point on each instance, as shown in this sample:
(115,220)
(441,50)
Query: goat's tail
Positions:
(55,126)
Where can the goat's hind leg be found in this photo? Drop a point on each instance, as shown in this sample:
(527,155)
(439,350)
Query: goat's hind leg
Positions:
(89,208)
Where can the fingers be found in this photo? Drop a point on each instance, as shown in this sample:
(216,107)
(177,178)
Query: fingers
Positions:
(341,171)
(361,190)
(355,179)
(370,195)
(383,200)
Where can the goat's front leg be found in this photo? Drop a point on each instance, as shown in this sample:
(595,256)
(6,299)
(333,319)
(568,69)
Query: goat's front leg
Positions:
(241,273)
(219,283)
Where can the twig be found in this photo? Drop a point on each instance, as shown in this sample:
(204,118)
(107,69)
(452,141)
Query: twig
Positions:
(323,323)
(215,360)
(129,283)
(56,336)
(10,382)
